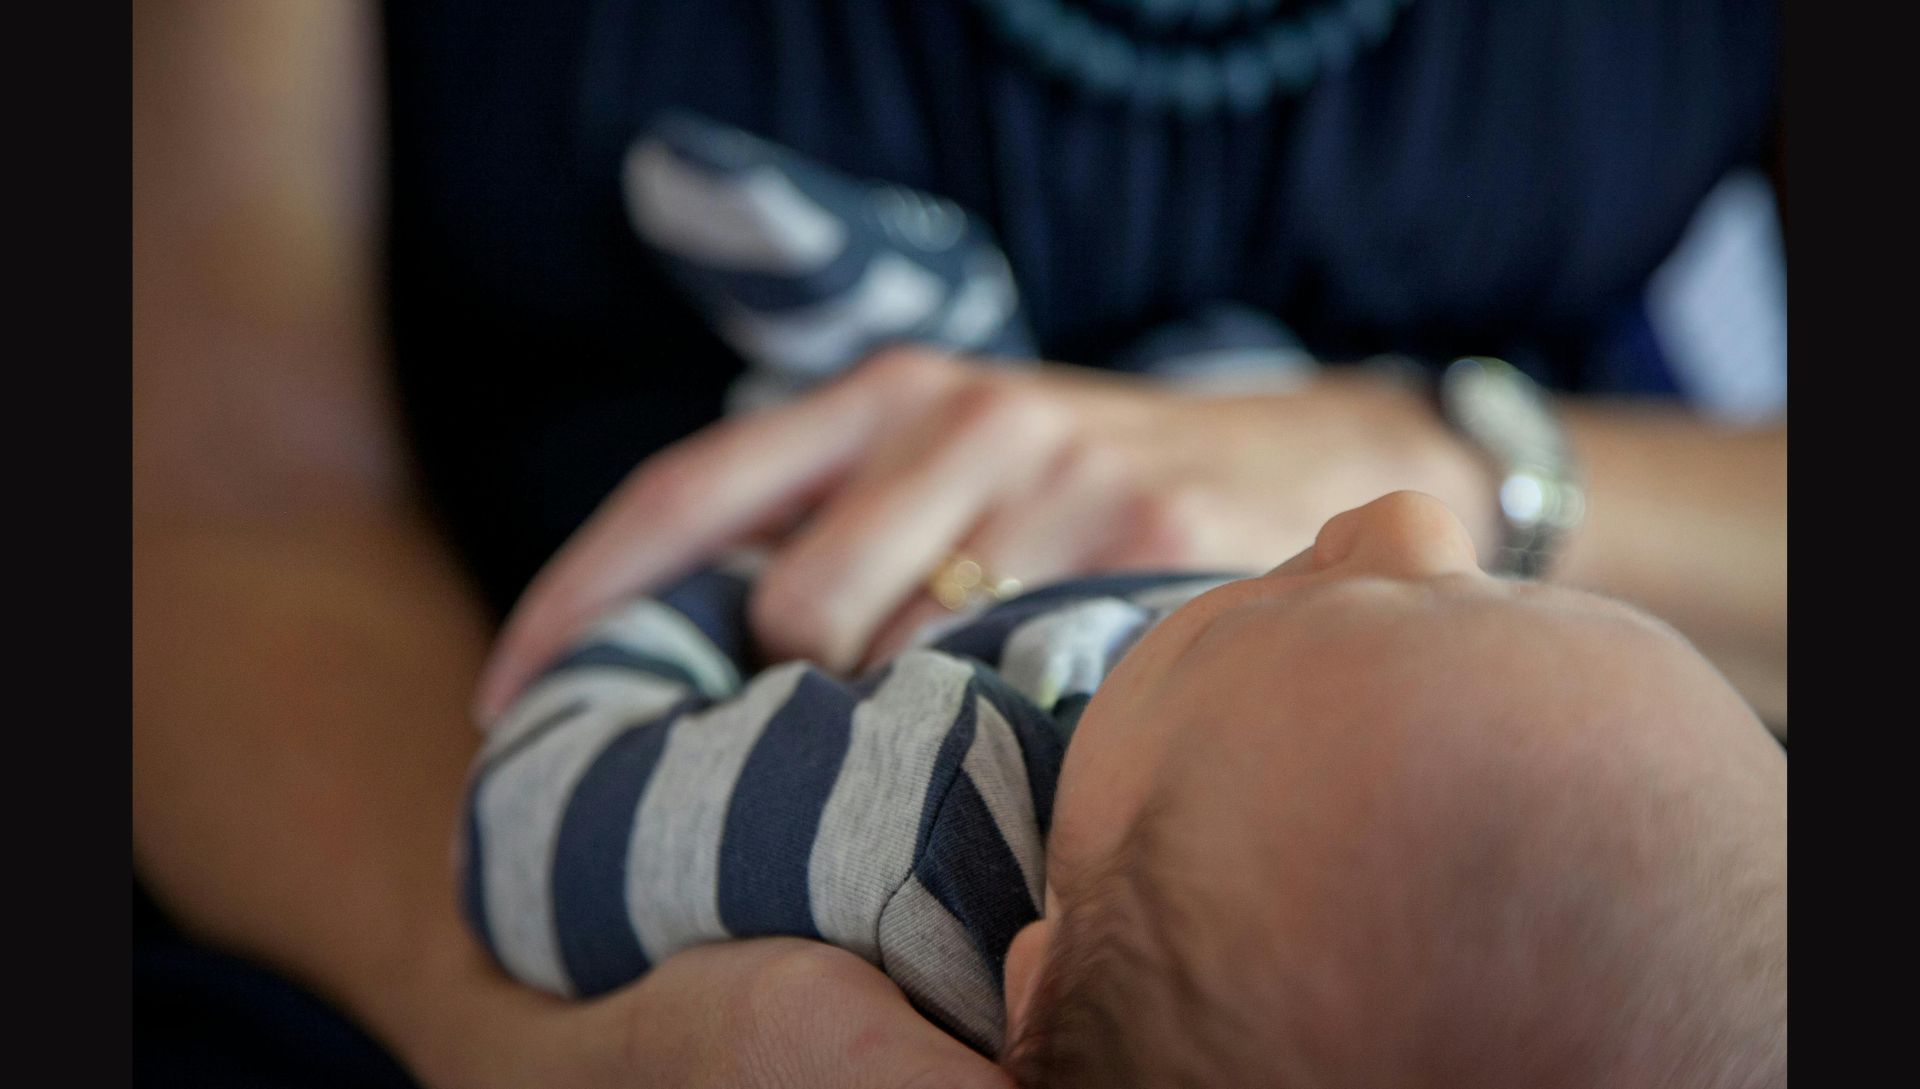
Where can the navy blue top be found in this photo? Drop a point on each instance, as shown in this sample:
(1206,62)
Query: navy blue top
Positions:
(1495,177)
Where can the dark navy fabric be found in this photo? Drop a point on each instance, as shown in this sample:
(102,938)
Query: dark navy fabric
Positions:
(213,1021)
(473,879)
(969,868)
(724,159)
(1498,176)
(774,814)
(985,639)
(530,736)
(1042,741)
(716,602)
(625,658)
(590,902)
(946,766)
(620,882)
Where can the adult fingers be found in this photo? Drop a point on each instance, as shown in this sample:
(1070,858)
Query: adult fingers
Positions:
(871,546)
(696,498)
(1062,526)
(781,1013)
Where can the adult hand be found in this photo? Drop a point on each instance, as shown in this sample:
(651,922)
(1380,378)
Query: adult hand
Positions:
(871,482)
(767,1013)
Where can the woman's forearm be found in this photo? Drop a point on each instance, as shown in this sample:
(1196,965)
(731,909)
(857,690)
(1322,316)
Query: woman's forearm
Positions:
(299,750)
(1689,520)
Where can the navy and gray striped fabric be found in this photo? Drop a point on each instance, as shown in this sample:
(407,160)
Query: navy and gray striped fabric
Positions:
(641,797)
(805,271)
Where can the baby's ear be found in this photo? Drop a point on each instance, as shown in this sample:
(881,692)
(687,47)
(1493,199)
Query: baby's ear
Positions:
(1026,956)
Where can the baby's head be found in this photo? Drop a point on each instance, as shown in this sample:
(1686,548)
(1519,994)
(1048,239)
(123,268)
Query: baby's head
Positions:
(1378,819)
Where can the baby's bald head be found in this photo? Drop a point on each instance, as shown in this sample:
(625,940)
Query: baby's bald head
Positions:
(1376,819)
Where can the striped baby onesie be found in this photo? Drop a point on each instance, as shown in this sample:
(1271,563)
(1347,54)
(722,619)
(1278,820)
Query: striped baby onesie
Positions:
(641,797)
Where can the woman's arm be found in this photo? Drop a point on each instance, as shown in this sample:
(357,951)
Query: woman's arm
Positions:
(1688,520)
(298,755)
(1042,473)
(299,750)
(301,640)
(304,645)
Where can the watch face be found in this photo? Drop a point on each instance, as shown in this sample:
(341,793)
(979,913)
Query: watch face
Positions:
(1501,411)
(1504,411)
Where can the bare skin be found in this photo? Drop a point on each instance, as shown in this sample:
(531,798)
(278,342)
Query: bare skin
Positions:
(865,486)
(1501,824)
(304,645)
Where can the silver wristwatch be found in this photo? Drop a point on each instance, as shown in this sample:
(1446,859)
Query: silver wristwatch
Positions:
(1508,418)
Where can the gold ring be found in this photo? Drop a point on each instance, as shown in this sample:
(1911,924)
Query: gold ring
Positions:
(961,581)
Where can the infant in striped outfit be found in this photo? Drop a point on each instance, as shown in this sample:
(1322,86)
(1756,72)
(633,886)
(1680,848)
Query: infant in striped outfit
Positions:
(641,798)
(1354,821)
